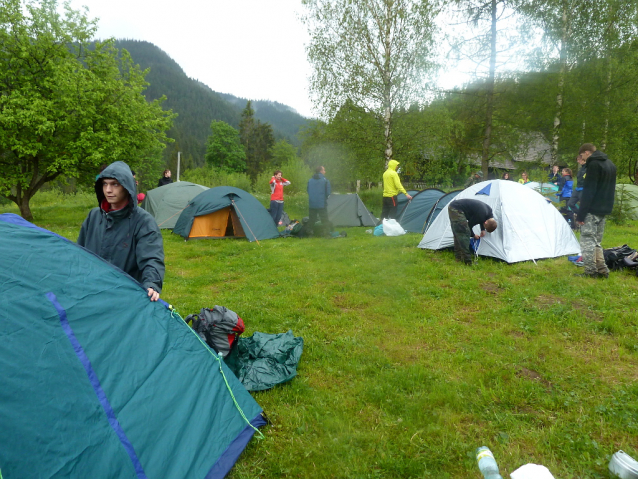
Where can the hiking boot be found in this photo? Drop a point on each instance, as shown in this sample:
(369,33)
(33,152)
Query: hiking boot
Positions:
(593,275)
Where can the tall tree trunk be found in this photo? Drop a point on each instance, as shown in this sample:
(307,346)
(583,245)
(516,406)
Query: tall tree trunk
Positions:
(489,98)
(561,87)
(25,209)
(603,144)
(387,81)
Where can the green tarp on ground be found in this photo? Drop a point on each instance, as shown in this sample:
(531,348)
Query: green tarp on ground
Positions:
(98,381)
(262,361)
(167,202)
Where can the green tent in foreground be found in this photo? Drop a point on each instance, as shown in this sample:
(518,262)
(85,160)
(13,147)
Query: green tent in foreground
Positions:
(99,382)
(167,202)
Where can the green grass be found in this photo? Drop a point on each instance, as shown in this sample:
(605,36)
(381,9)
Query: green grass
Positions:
(411,360)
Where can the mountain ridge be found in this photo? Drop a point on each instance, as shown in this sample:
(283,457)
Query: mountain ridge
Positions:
(197,105)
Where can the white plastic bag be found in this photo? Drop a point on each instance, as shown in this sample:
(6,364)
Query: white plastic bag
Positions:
(392,228)
(531,471)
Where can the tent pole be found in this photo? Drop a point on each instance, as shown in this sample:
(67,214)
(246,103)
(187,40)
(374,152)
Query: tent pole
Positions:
(242,217)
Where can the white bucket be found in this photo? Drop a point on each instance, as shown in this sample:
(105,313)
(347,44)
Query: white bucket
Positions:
(623,466)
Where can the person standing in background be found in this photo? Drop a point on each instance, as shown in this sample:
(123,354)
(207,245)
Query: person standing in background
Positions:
(318,191)
(391,188)
(572,203)
(277,183)
(165,179)
(524,179)
(596,201)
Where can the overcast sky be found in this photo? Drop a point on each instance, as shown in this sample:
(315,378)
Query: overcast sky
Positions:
(252,49)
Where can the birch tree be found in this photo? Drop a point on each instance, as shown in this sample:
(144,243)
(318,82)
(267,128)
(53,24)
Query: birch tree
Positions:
(375,53)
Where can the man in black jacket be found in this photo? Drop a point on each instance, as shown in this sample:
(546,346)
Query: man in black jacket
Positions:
(464,215)
(572,204)
(596,201)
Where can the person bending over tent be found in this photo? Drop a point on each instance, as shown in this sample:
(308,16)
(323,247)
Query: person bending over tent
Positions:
(122,233)
(464,215)
(391,188)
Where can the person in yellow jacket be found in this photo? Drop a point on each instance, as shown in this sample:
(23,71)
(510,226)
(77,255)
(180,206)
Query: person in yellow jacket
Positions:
(391,188)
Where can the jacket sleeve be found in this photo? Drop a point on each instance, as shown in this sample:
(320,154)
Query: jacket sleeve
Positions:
(82,238)
(284,182)
(150,257)
(588,193)
(398,185)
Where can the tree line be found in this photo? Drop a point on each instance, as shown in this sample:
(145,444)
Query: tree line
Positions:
(573,80)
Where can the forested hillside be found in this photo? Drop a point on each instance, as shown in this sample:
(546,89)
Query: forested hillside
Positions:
(197,105)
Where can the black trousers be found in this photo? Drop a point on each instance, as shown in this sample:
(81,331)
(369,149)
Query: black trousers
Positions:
(389,210)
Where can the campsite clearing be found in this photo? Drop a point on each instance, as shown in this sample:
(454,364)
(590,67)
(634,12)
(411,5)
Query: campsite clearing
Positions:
(411,361)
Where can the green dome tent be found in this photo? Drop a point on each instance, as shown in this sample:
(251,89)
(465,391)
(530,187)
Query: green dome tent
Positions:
(167,202)
(627,200)
(349,210)
(98,381)
(226,212)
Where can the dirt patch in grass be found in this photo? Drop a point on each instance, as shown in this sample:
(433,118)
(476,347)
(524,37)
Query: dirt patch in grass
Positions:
(346,302)
(547,301)
(491,288)
(583,309)
(534,376)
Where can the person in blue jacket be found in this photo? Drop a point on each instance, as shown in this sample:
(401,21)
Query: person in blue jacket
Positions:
(565,185)
(318,191)
(122,233)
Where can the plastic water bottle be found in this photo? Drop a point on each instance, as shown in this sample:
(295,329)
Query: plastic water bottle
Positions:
(487,463)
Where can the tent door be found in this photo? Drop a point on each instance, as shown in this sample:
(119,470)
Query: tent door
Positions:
(222,223)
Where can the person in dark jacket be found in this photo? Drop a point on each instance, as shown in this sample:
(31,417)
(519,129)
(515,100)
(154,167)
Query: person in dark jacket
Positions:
(318,191)
(464,215)
(596,202)
(122,233)
(165,179)
(554,177)
(572,203)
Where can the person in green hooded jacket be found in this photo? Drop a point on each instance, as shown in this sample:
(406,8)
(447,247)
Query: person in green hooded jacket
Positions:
(122,233)
(391,188)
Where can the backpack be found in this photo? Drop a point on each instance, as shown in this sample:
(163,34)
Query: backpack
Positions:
(219,327)
(620,257)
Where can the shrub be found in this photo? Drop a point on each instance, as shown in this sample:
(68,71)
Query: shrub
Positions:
(212,177)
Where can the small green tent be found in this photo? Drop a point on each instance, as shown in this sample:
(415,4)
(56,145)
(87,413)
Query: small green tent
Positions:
(224,212)
(627,200)
(167,202)
(349,210)
(98,381)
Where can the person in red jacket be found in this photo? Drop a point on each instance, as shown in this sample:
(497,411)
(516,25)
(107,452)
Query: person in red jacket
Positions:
(277,184)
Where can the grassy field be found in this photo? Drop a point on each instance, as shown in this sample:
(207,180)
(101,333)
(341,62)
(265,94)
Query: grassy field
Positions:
(411,360)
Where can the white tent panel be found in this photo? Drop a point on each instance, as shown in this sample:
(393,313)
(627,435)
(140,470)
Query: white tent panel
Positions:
(529,227)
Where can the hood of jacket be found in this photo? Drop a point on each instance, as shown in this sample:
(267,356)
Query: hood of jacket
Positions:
(392,165)
(317,176)
(121,172)
(596,156)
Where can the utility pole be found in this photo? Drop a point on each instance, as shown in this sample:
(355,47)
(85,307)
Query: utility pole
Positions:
(179,153)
